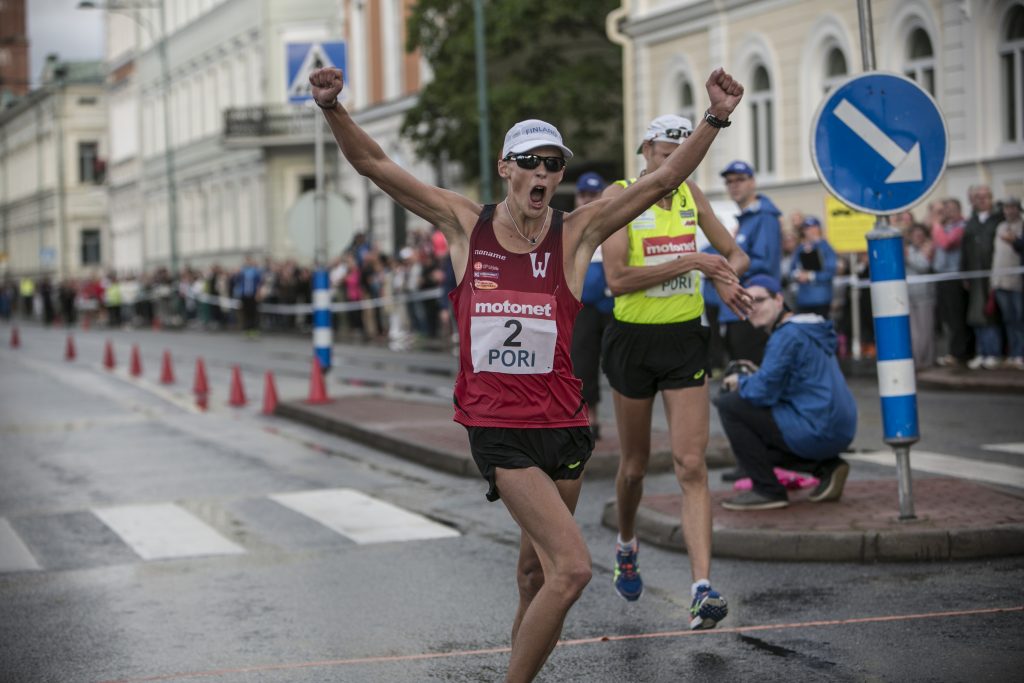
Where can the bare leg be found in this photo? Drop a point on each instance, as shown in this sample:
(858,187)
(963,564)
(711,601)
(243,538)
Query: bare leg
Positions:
(688,416)
(542,511)
(633,418)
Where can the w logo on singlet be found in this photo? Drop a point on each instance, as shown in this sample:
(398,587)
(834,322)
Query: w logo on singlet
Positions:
(540,270)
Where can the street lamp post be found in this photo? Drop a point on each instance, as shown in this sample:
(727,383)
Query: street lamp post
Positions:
(129,9)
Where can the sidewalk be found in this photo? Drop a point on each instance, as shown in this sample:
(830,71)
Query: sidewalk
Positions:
(423,432)
(956,520)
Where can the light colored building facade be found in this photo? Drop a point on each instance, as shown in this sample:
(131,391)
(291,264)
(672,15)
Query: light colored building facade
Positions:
(230,186)
(788,53)
(53,208)
(241,155)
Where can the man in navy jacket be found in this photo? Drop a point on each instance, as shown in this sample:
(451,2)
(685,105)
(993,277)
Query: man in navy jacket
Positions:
(760,236)
(795,411)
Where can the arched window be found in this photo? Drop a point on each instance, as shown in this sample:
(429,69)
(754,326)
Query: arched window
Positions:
(761,108)
(686,106)
(1011,56)
(919,60)
(835,68)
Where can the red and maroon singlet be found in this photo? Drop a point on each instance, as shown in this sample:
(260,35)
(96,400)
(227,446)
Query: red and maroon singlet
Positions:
(515,315)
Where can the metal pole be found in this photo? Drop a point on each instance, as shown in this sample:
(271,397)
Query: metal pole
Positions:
(172,190)
(854,310)
(319,194)
(902,432)
(61,217)
(897,386)
(905,483)
(867,34)
(323,331)
(481,103)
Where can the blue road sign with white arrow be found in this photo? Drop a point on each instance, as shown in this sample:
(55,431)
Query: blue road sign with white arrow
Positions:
(879,142)
(304,58)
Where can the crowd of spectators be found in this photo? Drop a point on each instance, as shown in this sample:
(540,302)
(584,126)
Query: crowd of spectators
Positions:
(976,321)
(248,296)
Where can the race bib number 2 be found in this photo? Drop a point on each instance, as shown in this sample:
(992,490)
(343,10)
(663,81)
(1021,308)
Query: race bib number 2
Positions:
(513,332)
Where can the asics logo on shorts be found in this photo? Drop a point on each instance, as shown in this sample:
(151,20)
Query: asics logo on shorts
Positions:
(699,374)
(574,465)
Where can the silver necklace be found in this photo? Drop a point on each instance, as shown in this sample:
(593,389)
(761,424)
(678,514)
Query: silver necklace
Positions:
(531,240)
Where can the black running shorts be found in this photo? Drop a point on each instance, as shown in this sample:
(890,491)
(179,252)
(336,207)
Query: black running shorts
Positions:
(641,360)
(560,452)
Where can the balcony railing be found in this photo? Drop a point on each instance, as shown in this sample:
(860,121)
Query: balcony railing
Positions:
(269,124)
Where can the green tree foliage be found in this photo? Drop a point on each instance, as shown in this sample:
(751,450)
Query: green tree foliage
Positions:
(546,60)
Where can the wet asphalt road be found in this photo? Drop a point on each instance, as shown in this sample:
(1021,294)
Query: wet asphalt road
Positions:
(303,603)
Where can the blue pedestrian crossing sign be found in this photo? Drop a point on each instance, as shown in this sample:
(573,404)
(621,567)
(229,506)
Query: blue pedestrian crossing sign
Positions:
(879,143)
(306,57)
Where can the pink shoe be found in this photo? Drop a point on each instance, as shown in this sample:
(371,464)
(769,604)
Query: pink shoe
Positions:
(791,480)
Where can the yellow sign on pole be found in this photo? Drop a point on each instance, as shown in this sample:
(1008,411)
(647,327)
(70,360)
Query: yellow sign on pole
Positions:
(845,228)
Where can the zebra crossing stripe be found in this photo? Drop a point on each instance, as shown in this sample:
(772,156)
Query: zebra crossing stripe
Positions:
(14,556)
(164,531)
(362,518)
(949,465)
(1014,448)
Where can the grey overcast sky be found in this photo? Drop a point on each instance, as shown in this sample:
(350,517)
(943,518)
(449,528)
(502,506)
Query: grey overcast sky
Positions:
(56,26)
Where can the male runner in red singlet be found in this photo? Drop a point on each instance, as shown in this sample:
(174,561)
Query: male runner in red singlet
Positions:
(520,269)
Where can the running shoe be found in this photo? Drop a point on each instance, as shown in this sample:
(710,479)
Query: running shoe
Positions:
(707,609)
(626,577)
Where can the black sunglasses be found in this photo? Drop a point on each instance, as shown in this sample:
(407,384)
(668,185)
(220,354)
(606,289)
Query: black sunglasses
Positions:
(532,161)
(676,133)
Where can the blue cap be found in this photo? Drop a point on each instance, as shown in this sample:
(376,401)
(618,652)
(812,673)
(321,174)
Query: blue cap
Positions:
(590,182)
(741,167)
(766,281)
(810,221)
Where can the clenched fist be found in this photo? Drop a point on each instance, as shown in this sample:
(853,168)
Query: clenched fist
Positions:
(327,85)
(724,92)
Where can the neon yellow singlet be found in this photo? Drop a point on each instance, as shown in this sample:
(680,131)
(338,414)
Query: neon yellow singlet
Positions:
(658,236)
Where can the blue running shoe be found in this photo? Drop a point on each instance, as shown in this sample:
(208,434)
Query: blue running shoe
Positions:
(626,578)
(707,609)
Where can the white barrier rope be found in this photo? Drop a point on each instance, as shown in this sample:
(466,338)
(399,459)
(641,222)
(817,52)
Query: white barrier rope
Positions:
(437,292)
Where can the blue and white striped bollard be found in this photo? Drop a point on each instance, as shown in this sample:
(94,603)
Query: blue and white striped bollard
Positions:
(890,308)
(323,334)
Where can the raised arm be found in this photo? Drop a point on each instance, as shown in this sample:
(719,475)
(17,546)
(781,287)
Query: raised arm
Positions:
(454,214)
(598,220)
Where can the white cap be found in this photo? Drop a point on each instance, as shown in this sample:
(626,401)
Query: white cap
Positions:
(531,134)
(667,128)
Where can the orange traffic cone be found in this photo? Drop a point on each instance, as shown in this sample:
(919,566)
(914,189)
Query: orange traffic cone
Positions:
(167,370)
(200,387)
(317,390)
(85,322)
(156,323)
(108,356)
(69,349)
(269,394)
(15,337)
(237,395)
(136,365)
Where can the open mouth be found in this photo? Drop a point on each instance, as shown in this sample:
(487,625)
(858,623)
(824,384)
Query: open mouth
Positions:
(537,195)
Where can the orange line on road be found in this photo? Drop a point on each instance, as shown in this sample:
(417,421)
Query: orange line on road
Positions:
(213,673)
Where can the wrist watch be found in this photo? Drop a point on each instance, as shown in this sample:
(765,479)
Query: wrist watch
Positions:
(716,122)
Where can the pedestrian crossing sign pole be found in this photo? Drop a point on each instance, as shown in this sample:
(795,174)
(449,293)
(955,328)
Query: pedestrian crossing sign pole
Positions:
(303,59)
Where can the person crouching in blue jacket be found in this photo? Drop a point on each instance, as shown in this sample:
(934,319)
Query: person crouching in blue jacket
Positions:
(813,267)
(794,411)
